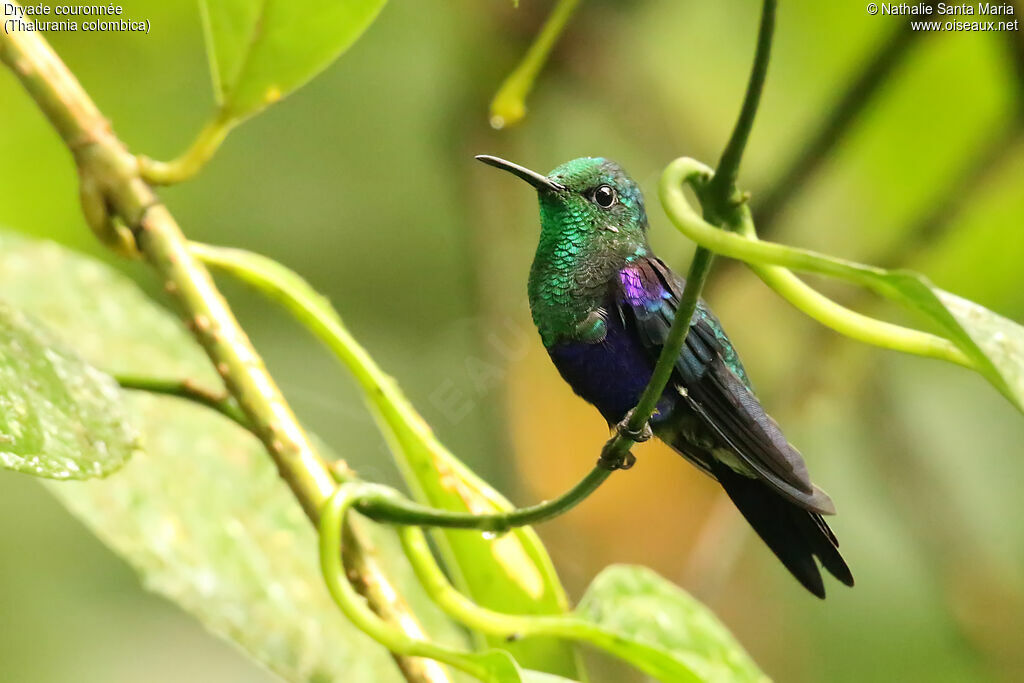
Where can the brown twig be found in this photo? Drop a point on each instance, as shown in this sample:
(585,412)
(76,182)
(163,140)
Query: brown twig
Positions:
(117,191)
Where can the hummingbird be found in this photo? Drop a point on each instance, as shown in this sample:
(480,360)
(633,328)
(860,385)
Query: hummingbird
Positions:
(603,304)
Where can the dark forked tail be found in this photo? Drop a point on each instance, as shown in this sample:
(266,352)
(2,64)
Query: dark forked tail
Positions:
(795,535)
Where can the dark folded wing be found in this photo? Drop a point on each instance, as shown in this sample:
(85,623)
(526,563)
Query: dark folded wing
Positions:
(711,379)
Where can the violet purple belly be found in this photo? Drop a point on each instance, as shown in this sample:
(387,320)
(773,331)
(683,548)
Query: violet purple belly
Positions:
(611,374)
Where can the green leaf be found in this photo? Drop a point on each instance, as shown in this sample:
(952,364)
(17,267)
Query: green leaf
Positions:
(511,573)
(204,518)
(531,676)
(995,342)
(499,664)
(116,331)
(1000,339)
(665,627)
(971,335)
(60,418)
(261,50)
(502,668)
(201,513)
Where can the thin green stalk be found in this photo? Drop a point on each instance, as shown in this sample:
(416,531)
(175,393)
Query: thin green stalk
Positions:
(395,510)
(189,391)
(765,258)
(695,279)
(316,314)
(650,660)
(720,201)
(724,243)
(509,104)
(856,325)
(112,173)
(721,194)
(352,604)
(312,310)
(193,159)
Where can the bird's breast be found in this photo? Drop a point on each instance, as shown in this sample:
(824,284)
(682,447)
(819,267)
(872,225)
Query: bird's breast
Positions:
(566,287)
(611,374)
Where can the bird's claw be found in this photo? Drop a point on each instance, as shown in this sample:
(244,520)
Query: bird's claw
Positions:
(610,459)
(616,462)
(634,435)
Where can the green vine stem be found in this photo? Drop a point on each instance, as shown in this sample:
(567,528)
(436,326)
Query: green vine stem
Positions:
(193,159)
(351,604)
(373,583)
(720,201)
(112,175)
(316,314)
(721,198)
(354,496)
(509,104)
(397,510)
(650,660)
(771,262)
(188,390)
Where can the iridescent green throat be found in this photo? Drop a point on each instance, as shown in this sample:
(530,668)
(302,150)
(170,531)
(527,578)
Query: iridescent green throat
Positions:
(578,256)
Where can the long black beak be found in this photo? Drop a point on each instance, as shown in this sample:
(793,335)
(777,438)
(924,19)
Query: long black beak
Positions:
(541,182)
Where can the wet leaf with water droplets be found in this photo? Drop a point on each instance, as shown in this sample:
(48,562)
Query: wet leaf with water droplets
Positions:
(115,332)
(59,417)
(201,512)
(204,518)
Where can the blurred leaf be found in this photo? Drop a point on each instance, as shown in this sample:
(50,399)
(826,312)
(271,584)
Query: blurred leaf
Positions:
(116,331)
(509,104)
(648,612)
(202,513)
(511,573)
(1001,340)
(502,668)
(531,676)
(994,343)
(499,664)
(261,50)
(204,518)
(60,418)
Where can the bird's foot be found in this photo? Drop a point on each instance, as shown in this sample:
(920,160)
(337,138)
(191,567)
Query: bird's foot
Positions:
(634,435)
(614,462)
(610,458)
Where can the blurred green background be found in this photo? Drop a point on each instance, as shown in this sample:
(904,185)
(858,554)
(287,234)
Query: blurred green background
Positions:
(364,182)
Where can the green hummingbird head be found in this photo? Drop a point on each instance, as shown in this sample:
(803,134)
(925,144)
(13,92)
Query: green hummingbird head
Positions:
(592,222)
(589,197)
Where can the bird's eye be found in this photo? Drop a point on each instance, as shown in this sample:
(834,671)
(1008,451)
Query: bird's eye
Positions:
(604,196)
